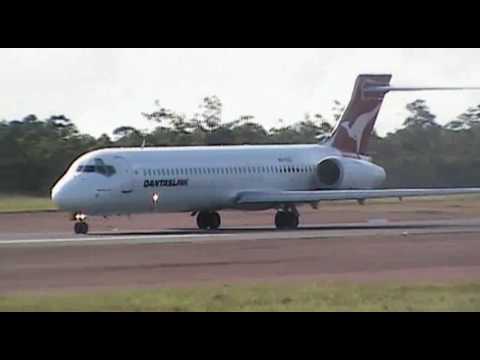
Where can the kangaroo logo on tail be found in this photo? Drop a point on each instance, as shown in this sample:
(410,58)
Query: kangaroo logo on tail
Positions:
(356,128)
(353,130)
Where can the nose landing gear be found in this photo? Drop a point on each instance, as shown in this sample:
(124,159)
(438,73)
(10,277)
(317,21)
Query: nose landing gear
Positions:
(81,226)
(287,218)
(208,220)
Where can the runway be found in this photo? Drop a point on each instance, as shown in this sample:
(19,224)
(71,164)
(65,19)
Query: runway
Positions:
(393,242)
(406,251)
(319,231)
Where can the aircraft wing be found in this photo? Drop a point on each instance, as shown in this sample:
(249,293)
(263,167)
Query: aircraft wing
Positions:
(282,197)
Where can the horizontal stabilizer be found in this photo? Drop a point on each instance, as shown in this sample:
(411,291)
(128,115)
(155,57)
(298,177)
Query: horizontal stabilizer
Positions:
(352,132)
(384,89)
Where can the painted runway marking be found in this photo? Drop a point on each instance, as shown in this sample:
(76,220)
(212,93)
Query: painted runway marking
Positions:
(86,240)
(172,236)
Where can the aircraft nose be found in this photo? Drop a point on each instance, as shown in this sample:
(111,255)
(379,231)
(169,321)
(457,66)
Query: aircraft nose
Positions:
(58,195)
(67,196)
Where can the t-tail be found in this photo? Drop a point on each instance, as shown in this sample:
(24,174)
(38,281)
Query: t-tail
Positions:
(353,130)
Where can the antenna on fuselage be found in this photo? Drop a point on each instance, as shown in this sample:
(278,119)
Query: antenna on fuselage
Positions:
(144,136)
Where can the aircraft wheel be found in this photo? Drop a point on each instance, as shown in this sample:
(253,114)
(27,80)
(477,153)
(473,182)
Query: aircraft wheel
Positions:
(202,220)
(286,220)
(80,228)
(215,220)
(293,221)
(281,220)
(208,220)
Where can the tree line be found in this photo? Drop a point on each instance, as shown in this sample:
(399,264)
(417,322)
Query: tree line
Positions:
(35,152)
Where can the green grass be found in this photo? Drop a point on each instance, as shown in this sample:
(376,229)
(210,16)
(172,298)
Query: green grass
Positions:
(311,296)
(18,203)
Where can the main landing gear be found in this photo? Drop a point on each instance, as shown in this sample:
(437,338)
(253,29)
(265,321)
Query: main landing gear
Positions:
(208,220)
(287,218)
(81,226)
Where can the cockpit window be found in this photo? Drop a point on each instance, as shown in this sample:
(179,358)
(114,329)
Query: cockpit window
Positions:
(99,167)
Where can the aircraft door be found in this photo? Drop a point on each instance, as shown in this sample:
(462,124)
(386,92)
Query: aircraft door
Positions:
(126,171)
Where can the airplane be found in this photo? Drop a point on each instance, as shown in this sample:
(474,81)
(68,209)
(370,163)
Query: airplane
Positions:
(203,180)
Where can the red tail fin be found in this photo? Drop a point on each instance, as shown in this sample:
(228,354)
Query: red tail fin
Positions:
(353,130)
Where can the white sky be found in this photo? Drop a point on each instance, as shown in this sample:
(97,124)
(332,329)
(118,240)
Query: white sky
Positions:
(101,89)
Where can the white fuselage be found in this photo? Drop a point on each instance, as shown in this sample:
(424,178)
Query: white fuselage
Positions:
(120,181)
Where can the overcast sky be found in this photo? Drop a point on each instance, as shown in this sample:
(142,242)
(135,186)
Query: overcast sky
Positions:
(101,89)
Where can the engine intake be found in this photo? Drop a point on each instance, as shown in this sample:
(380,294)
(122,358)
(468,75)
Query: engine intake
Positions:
(346,173)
